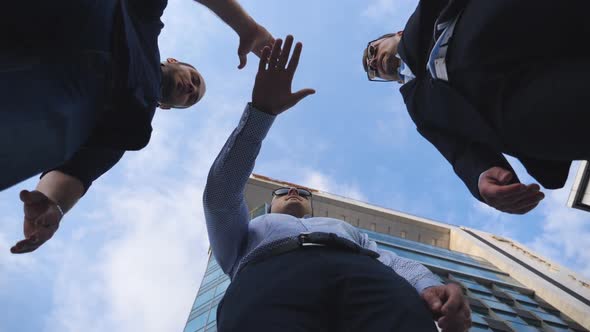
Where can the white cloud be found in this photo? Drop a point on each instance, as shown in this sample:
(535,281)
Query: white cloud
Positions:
(323,182)
(379,10)
(565,231)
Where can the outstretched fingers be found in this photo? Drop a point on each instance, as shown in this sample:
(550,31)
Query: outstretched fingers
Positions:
(264,58)
(275,53)
(285,52)
(294,62)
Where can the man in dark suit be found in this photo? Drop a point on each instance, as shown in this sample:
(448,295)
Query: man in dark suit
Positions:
(487,78)
(89,73)
(80,81)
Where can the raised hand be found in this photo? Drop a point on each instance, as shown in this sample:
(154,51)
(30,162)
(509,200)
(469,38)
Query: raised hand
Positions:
(497,191)
(42,217)
(253,40)
(449,307)
(272,89)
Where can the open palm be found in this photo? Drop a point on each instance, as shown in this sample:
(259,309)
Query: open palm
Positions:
(41,221)
(272,88)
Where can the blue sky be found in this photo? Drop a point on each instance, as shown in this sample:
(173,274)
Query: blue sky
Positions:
(130,255)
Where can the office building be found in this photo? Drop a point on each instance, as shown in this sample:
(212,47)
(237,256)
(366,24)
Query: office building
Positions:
(580,194)
(510,288)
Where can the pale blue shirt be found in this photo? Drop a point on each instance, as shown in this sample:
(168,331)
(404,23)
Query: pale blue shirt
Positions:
(235,240)
(436,64)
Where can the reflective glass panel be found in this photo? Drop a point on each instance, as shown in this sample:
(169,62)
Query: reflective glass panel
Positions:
(478,318)
(482,295)
(558,327)
(449,265)
(530,306)
(203,298)
(428,248)
(196,323)
(497,305)
(522,297)
(510,317)
(523,327)
(480,288)
(221,287)
(208,278)
(549,317)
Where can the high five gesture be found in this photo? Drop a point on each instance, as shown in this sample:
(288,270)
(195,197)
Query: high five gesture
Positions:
(272,89)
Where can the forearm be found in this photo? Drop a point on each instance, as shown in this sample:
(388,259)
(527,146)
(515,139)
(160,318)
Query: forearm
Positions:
(468,159)
(226,212)
(61,188)
(231,13)
(229,173)
(415,273)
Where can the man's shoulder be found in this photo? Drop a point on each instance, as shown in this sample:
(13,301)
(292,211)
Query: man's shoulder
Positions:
(149,9)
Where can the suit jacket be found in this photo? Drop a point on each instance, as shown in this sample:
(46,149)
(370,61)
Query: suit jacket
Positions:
(135,94)
(454,121)
(136,76)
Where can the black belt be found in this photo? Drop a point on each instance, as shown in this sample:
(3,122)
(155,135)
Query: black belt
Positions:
(321,239)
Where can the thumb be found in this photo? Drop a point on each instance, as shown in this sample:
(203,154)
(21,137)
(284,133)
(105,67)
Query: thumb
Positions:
(432,299)
(504,176)
(32,197)
(243,51)
(299,95)
(243,60)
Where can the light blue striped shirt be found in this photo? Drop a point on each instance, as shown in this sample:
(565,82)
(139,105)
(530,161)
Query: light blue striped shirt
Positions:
(436,64)
(235,240)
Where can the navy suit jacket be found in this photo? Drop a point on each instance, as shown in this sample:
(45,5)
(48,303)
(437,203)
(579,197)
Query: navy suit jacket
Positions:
(135,94)
(463,132)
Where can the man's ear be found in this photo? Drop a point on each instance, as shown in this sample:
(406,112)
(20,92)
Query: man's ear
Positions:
(164,106)
(171,60)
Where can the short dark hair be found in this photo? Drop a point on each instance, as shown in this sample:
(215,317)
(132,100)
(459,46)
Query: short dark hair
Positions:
(181,63)
(187,64)
(366,50)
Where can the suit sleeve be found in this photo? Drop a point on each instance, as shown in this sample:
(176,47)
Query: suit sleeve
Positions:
(469,159)
(148,9)
(89,163)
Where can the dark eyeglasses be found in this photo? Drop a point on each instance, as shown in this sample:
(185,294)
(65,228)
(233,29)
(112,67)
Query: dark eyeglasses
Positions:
(372,74)
(284,191)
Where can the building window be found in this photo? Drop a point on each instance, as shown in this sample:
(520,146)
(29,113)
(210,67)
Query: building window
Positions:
(196,323)
(204,297)
(373,226)
(402,234)
(434,242)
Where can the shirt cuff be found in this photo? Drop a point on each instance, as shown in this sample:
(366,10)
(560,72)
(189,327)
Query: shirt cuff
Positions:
(426,282)
(255,124)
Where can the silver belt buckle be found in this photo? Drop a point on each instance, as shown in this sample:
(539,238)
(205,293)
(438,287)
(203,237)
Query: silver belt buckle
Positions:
(302,237)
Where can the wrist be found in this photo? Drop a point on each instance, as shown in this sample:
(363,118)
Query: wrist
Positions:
(59,209)
(262,108)
(245,26)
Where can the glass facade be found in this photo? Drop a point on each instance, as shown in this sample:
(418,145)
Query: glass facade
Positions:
(498,302)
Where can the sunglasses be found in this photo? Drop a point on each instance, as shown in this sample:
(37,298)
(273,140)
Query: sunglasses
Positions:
(372,73)
(284,191)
